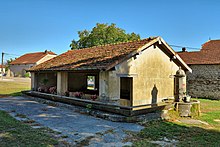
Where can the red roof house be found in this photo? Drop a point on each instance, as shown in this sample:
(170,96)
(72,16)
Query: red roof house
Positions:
(205,64)
(24,62)
(2,68)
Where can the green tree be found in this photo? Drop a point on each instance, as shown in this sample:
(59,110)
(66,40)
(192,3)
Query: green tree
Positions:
(102,34)
(8,62)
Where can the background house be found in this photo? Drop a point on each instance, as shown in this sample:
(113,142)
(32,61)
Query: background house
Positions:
(1,69)
(19,66)
(132,73)
(204,81)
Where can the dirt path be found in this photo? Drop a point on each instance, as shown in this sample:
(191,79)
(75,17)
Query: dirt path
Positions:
(79,129)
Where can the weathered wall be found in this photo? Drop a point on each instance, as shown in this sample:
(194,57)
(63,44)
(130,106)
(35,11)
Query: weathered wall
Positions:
(62,82)
(204,81)
(19,69)
(33,81)
(109,85)
(152,73)
(154,80)
(51,76)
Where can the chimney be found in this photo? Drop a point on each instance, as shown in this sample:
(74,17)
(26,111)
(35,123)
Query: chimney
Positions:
(183,49)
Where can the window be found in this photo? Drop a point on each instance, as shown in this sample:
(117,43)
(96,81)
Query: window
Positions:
(91,83)
(126,88)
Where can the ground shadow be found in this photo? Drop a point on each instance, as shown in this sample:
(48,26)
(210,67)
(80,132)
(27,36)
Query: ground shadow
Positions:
(11,94)
(173,134)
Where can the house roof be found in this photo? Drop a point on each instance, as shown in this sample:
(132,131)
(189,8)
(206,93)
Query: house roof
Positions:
(101,57)
(31,58)
(211,45)
(1,66)
(209,54)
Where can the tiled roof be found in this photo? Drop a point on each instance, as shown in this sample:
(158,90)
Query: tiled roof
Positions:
(213,45)
(31,58)
(1,66)
(103,57)
(98,57)
(209,54)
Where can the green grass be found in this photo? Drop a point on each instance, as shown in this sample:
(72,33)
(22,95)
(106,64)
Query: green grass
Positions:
(15,133)
(210,112)
(184,134)
(13,88)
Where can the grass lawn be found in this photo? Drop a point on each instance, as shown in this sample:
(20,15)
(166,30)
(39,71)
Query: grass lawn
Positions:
(14,87)
(170,133)
(211,113)
(15,133)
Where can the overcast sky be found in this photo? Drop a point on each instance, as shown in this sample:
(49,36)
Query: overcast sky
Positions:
(35,25)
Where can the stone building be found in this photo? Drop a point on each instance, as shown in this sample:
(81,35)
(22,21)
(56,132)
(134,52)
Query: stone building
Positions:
(132,73)
(204,81)
(19,66)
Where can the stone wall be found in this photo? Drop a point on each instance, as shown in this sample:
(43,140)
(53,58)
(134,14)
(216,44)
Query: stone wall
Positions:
(19,69)
(153,76)
(204,81)
(50,77)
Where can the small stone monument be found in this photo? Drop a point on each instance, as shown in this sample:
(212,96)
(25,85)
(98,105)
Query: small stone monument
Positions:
(183,105)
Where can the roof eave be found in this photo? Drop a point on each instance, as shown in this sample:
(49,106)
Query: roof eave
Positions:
(133,53)
(172,52)
(74,69)
(160,41)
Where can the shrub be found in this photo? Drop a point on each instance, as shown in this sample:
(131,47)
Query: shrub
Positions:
(53,89)
(78,94)
(27,75)
(67,93)
(43,89)
(94,97)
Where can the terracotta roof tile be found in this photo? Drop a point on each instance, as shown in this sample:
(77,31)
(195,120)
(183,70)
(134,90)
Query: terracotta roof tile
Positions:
(98,57)
(209,54)
(31,58)
(1,66)
(213,45)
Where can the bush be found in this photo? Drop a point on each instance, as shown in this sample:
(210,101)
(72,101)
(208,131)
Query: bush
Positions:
(27,75)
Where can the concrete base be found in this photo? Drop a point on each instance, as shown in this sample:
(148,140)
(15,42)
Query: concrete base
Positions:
(190,109)
(115,109)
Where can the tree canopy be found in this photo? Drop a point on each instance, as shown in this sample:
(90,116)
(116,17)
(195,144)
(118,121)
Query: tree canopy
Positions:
(102,34)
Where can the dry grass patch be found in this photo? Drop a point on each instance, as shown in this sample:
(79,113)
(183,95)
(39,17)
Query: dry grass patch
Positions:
(13,87)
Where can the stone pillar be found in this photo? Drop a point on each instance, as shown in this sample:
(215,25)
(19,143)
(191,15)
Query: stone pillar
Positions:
(114,86)
(180,85)
(33,81)
(62,83)
(103,85)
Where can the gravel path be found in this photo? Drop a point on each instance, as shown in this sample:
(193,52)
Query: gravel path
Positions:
(77,127)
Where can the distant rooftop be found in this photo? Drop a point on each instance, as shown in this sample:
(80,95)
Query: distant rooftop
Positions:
(31,58)
(1,66)
(209,54)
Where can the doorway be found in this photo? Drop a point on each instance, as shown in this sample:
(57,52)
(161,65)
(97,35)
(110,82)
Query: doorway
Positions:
(126,88)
